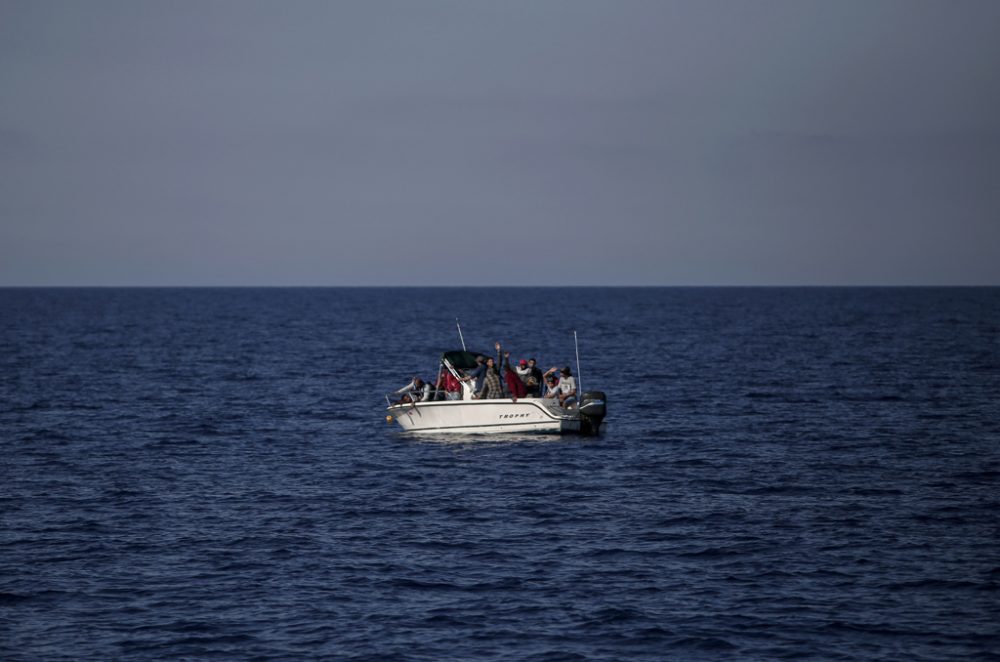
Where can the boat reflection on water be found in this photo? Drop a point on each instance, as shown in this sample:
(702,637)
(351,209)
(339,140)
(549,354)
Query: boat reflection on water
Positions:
(459,439)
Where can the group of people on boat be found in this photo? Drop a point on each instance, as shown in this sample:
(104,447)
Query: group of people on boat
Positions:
(523,380)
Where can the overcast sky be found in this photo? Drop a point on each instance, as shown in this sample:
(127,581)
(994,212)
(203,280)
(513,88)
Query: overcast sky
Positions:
(619,142)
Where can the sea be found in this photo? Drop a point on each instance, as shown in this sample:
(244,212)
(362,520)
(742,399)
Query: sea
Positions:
(784,473)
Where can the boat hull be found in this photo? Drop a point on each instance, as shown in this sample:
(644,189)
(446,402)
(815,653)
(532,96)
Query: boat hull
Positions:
(527,415)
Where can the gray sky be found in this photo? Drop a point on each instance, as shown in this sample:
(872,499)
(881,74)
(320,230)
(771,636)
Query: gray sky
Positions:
(499,143)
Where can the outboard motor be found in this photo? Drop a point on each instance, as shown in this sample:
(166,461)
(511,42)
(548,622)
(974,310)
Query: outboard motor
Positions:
(593,408)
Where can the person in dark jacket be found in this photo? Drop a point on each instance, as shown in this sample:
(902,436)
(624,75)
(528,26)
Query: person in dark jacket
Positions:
(532,377)
(477,374)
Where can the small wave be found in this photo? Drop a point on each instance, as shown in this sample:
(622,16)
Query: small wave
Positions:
(557,656)
(678,520)
(444,620)
(874,628)
(781,490)
(614,615)
(491,555)
(651,634)
(12,598)
(423,585)
(874,491)
(987,475)
(713,552)
(330,415)
(248,376)
(619,552)
(51,595)
(444,544)
(947,584)
(502,584)
(711,644)
(761,395)
(210,640)
(929,518)
(35,405)
(869,397)
(44,434)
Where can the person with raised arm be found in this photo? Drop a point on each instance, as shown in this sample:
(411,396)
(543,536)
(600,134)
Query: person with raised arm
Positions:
(492,389)
(564,389)
(515,384)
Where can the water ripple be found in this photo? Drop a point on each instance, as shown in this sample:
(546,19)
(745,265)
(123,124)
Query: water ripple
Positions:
(786,474)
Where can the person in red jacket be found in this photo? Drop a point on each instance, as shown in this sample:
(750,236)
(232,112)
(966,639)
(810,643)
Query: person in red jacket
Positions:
(515,387)
(448,387)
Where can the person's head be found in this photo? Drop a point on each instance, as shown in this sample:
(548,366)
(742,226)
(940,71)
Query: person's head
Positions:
(480,358)
(523,363)
(418,382)
(489,362)
(565,372)
(531,363)
(549,379)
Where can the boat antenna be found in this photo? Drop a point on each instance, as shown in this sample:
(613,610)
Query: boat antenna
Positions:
(579,383)
(460,333)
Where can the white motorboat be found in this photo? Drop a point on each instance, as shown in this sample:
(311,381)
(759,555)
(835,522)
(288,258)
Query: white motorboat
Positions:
(499,415)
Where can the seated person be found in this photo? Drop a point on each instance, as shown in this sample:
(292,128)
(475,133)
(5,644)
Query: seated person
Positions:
(448,388)
(564,389)
(551,384)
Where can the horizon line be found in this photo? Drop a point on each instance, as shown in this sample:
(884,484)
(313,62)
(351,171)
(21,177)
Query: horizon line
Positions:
(470,287)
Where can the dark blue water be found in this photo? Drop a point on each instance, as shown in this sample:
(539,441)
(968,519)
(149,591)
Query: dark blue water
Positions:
(785,473)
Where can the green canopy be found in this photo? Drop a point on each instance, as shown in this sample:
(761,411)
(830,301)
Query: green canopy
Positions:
(461,360)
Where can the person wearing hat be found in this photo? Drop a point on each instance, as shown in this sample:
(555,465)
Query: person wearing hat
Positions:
(565,389)
(532,384)
(512,378)
(522,370)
